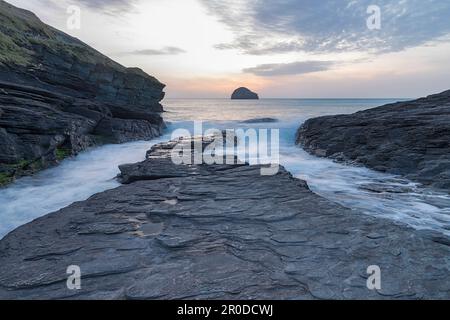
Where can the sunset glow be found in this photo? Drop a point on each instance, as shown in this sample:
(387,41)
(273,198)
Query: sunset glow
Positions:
(202,49)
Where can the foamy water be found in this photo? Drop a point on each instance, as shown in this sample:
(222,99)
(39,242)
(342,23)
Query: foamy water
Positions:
(358,188)
(371,192)
(75,179)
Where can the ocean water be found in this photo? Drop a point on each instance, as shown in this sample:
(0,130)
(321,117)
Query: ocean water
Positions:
(358,188)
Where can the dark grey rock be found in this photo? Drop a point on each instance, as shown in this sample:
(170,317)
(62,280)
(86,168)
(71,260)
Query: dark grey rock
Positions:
(244,94)
(406,138)
(260,120)
(218,232)
(58,97)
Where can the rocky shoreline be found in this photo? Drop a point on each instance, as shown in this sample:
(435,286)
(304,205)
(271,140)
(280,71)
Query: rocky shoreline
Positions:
(201,231)
(410,138)
(59,96)
(217,232)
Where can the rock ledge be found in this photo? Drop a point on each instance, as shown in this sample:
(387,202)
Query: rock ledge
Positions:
(217,232)
(407,138)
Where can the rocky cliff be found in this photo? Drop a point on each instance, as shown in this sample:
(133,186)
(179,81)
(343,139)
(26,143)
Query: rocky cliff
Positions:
(407,138)
(59,96)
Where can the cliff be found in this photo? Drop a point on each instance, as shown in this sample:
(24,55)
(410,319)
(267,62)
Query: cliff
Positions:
(59,96)
(407,138)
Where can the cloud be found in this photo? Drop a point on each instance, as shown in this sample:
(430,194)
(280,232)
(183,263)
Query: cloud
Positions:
(294,68)
(113,7)
(106,3)
(272,27)
(158,52)
(249,46)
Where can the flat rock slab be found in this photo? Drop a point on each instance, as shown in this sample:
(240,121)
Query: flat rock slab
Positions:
(407,138)
(218,232)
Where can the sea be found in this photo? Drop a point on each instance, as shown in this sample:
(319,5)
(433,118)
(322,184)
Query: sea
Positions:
(363,190)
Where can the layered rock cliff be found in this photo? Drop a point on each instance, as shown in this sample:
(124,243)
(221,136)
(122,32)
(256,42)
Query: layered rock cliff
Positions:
(59,96)
(407,138)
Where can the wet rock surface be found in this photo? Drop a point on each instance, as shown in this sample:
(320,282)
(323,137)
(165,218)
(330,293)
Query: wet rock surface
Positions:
(218,232)
(59,96)
(411,139)
(260,120)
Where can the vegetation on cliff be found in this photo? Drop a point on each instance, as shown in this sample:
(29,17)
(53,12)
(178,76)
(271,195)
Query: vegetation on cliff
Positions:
(58,96)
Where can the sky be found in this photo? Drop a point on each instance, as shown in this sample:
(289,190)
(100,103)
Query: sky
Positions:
(280,49)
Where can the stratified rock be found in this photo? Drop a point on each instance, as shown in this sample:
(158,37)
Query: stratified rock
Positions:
(406,138)
(218,232)
(244,94)
(58,96)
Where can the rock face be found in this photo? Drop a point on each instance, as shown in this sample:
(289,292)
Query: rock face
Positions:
(406,138)
(217,232)
(244,94)
(58,96)
(260,120)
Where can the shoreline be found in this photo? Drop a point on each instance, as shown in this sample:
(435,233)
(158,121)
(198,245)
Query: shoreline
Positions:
(367,203)
(75,179)
(39,129)
(410,139)
(265,238)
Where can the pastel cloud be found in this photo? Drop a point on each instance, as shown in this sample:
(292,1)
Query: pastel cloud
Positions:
(294,68)
(158,52)
(265,27)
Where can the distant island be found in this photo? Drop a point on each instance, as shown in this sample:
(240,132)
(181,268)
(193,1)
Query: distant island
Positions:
(244,94)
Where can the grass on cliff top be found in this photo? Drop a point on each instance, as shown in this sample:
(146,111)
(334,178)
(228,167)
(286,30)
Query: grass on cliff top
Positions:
(11,53)
(22,34)
(15,26)
(5,179)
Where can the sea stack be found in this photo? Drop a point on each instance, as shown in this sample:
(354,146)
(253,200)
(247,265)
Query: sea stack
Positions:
(244,94)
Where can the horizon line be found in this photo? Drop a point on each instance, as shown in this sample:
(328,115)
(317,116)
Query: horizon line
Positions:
(271,98)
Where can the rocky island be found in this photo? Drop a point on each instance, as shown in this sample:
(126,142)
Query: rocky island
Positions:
(59,96)
(409,138)
(217,232)
(244,94)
